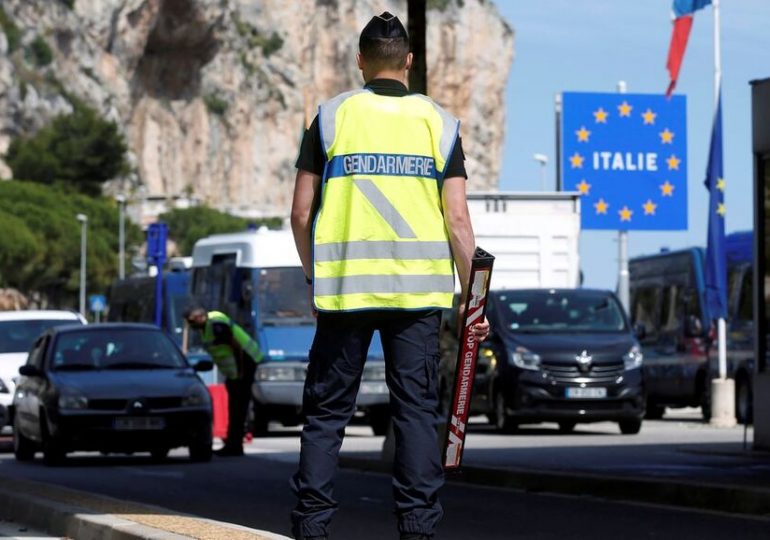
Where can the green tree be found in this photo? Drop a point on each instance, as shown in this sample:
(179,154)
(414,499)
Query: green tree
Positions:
(186,226)
(39,52)
(40,244)
(18,246)
(80,149)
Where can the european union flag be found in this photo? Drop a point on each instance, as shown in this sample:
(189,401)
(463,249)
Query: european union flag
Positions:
(716,262)
(627,155)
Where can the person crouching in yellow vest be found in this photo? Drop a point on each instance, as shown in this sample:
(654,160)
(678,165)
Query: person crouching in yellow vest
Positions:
(236,355)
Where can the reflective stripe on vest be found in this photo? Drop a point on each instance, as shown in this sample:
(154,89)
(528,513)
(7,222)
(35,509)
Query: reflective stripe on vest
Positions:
(223,354)
(379,239)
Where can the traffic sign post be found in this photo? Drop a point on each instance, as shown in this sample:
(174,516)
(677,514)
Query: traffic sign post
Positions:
(97,303)
(157,234)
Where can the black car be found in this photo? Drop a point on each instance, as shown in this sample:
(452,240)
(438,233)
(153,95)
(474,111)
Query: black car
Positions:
(119,388)
(554,355)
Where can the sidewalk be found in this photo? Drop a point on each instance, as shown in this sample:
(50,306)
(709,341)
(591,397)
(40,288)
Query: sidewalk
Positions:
(677,462)
(83,516)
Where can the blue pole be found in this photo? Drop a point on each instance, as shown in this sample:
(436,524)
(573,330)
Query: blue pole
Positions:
(157,233)
(159,294)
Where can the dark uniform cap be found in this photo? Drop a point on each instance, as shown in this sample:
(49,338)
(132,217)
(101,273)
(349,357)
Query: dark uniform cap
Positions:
(385,26)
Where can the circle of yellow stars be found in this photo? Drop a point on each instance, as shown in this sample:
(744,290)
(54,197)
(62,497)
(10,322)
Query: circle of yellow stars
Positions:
(649,207)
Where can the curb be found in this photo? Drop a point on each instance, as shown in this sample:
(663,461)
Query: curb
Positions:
(701,495)
(82,516)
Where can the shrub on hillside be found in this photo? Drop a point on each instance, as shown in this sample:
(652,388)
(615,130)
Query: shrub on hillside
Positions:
(80,149)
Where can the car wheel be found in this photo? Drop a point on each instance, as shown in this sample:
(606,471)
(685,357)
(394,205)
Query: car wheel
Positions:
(704,393)
(567,427)
(654,412)
(503,421)
(53,453)
(23,448)
(201,448)
(159,454)
(379,420)
(705,405)
(743,408)
(630,427)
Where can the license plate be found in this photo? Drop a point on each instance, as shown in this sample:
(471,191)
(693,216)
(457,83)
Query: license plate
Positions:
(587,393)
(373,388)
(140,423)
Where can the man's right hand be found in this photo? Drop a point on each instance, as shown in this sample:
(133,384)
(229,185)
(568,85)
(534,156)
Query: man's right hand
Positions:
(480,330)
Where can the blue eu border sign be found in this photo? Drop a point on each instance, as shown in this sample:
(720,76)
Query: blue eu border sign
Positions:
(627,155)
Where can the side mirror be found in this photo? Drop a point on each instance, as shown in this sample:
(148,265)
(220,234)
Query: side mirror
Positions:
(203,365)
(694,327)
(28,370)
(640,331)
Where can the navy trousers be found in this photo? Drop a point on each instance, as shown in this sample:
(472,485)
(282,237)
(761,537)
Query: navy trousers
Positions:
(410,341)
(238,400)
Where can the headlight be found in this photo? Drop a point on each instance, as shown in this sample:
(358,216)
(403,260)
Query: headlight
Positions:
(633,358)
(278,373)
(487,358)
(525,359)
(196,396)
(3,387)
(72,399)
(374,373)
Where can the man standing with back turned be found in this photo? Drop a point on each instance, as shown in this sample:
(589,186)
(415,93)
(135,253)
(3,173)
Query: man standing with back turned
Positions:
(379,217)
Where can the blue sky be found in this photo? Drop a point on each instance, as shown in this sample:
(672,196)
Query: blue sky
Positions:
(589,45)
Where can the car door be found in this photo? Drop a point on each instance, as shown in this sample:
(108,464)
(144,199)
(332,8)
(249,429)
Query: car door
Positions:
(645,311)
(29,392)
(670,347)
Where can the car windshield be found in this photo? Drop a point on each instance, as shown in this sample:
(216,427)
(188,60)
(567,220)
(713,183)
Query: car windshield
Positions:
(561,311)
(115,348)
(283,297)
(18,336)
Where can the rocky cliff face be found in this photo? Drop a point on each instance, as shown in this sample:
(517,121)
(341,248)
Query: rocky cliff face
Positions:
(213,95)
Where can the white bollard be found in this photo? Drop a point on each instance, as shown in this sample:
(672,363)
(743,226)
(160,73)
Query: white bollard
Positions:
(723,403)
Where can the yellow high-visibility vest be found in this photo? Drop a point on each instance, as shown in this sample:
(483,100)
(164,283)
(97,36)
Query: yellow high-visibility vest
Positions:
(223,354)
(379,238)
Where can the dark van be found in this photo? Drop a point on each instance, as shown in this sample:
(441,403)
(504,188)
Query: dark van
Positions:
(554,355)
(668,301)
(668,308)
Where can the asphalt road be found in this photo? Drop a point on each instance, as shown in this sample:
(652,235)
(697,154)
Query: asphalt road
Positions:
(253,491)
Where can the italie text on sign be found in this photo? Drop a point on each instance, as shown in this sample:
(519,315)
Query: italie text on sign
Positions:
(626,155)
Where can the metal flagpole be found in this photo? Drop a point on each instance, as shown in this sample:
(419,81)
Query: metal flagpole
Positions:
(722,388)
(721,324)
(557,108)
(624,293)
